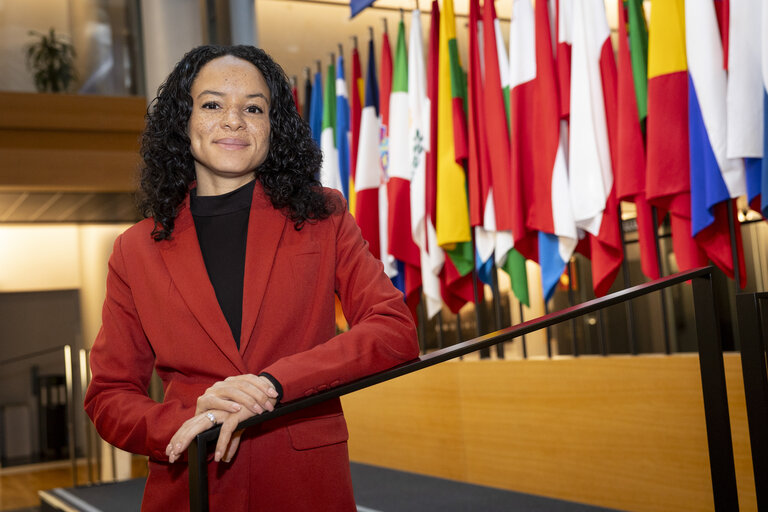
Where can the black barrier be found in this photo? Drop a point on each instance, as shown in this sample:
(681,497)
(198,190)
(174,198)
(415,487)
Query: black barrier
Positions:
(753,329)
(722,467)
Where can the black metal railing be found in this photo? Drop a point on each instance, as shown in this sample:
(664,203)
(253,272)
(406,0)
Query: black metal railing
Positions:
(717,418)
(69,401)
(753,328)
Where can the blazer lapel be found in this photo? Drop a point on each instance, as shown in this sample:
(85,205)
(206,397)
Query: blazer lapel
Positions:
(185,264)
(265,229)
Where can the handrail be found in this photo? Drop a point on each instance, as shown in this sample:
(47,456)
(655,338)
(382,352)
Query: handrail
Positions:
(198,449)
(32,355)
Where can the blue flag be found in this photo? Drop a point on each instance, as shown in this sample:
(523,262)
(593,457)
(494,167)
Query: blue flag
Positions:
(316,105)
(356,6)
(342,125)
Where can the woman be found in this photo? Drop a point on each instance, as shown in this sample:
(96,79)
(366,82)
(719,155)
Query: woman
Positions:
(227,290)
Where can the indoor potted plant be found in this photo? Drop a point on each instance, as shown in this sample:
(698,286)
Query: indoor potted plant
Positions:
(52,60)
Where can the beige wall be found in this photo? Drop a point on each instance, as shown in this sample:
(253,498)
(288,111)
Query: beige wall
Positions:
(60,257)
(619,432)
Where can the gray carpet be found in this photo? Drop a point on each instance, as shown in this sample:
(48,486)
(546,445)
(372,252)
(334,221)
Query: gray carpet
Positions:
(376,490)
(384,490)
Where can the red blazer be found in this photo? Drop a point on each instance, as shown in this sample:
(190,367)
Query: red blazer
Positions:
(161,312)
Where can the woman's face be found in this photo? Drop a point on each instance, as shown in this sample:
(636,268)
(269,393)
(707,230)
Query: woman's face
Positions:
(229,125)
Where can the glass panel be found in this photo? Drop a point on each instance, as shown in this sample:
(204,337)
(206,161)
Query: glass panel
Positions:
(105,35)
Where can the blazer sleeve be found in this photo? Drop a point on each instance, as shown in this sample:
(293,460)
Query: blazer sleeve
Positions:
(381,335)
(122,360)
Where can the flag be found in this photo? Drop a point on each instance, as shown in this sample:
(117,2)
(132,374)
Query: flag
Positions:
(564,28)
(422,96)
(715,179)
(453,230)
(632,99)
(764,59)
(329,172)
(745,93)
(357,92)
(593,136)
(452,209)
(384,91)
(342,125)
(295,94)
(390,265)
(498,145)
(478,165)
(355,6)
(307,97)
(543,226)
(316,103)
(667,179)
(401,244)
(368,174)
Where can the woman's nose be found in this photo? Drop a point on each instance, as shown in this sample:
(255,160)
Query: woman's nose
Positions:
(233,119)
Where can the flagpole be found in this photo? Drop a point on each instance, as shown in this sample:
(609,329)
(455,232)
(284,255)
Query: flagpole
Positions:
(496,305)
(440,342)
(627,282)
(421,314)
(549,334)
(734,248)
(571,303)
(655,214)
(486,352)
(601,334)
(458,327)
(522,319)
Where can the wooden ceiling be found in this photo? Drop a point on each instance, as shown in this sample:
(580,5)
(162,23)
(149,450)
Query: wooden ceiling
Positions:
(69,158)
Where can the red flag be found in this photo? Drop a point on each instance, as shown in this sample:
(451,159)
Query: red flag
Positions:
(355,112)
(295,93)
(667,181)
(497,129)
(385,86)
(478,167)
(563,54)
(593,140)
(401,244)
(630,150)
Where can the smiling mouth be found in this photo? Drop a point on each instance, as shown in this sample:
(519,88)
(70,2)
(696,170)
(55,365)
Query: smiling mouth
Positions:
(232,143)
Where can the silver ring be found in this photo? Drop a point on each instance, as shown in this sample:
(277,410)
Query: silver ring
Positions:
(211,417)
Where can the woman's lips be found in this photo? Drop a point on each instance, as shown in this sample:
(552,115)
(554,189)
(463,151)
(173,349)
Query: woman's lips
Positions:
(232,143)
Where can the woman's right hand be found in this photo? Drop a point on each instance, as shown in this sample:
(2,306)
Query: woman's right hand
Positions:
(227,402)
(255,393)
(228,441)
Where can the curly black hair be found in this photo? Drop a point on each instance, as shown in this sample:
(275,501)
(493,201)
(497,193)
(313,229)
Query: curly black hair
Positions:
(288,175)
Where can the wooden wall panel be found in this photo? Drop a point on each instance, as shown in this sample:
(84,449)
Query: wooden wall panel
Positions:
(68,142)
(621,432)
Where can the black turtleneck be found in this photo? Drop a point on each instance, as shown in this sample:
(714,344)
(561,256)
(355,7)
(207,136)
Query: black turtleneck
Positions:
(222,231)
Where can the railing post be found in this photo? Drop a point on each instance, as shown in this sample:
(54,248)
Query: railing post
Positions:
(721,463)
(86,424)
(755,389)
(198,475)
(69,378)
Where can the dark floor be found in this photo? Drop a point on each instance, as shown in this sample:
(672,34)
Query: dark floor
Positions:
(384,490)
(376,490)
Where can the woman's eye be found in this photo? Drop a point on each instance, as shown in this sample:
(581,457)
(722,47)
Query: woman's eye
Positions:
(210,105)
(253,109)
